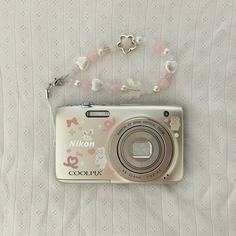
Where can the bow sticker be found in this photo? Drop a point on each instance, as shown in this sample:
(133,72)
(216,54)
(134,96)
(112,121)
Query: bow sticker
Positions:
(72,121)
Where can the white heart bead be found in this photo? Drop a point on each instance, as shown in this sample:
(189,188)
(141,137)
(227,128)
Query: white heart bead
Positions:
(83,63)
(171,66)
(97,85)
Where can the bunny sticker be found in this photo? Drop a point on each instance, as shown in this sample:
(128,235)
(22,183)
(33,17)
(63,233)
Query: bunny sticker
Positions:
(88,135)
(175,123)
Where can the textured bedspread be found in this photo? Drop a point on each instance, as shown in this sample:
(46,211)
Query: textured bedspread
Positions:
(39,40)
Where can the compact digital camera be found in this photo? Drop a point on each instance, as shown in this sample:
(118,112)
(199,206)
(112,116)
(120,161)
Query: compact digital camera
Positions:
(119,144)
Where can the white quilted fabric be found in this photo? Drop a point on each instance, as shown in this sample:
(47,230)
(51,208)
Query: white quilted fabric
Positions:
(40,39)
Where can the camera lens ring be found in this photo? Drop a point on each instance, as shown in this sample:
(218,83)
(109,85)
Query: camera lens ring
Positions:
(121,169)
(144,170)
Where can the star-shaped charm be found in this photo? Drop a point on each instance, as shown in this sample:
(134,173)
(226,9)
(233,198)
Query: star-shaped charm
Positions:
(127,43)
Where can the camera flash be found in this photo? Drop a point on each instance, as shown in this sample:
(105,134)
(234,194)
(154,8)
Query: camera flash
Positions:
(97,113)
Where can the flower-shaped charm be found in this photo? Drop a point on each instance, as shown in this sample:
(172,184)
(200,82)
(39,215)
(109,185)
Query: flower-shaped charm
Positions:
(127,43)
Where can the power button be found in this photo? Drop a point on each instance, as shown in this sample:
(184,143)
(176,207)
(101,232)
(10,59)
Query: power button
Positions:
(86,104)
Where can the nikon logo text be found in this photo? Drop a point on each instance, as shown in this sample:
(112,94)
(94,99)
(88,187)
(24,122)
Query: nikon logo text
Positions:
(85,173)
(80,143)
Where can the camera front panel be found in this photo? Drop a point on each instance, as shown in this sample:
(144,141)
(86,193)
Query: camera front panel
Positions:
(119,144)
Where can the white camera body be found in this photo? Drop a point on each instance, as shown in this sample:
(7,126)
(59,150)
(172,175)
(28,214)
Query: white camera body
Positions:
(119,144)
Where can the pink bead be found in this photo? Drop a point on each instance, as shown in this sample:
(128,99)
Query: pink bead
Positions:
(145,40)
(85,84)
(93,56)
(115,88)
(164,83)
(159,46)
(126,43)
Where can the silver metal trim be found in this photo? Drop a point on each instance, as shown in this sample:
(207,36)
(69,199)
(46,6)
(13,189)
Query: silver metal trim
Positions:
(134,45)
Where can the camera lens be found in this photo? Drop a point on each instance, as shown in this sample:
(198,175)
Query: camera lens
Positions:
(166,113)
(142,149)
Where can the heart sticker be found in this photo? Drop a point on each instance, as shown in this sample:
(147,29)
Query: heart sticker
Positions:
(72,162)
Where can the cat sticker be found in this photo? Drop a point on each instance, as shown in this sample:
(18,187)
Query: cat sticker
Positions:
(100,158)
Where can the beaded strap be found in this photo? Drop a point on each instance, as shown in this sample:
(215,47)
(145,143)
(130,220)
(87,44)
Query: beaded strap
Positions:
(126,44)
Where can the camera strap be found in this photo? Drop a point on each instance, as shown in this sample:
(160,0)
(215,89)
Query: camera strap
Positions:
(132,88)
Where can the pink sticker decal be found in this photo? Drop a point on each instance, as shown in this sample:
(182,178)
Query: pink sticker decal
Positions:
(108,124)
(72,132)
(72,121)
(72,162)
(91,151)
